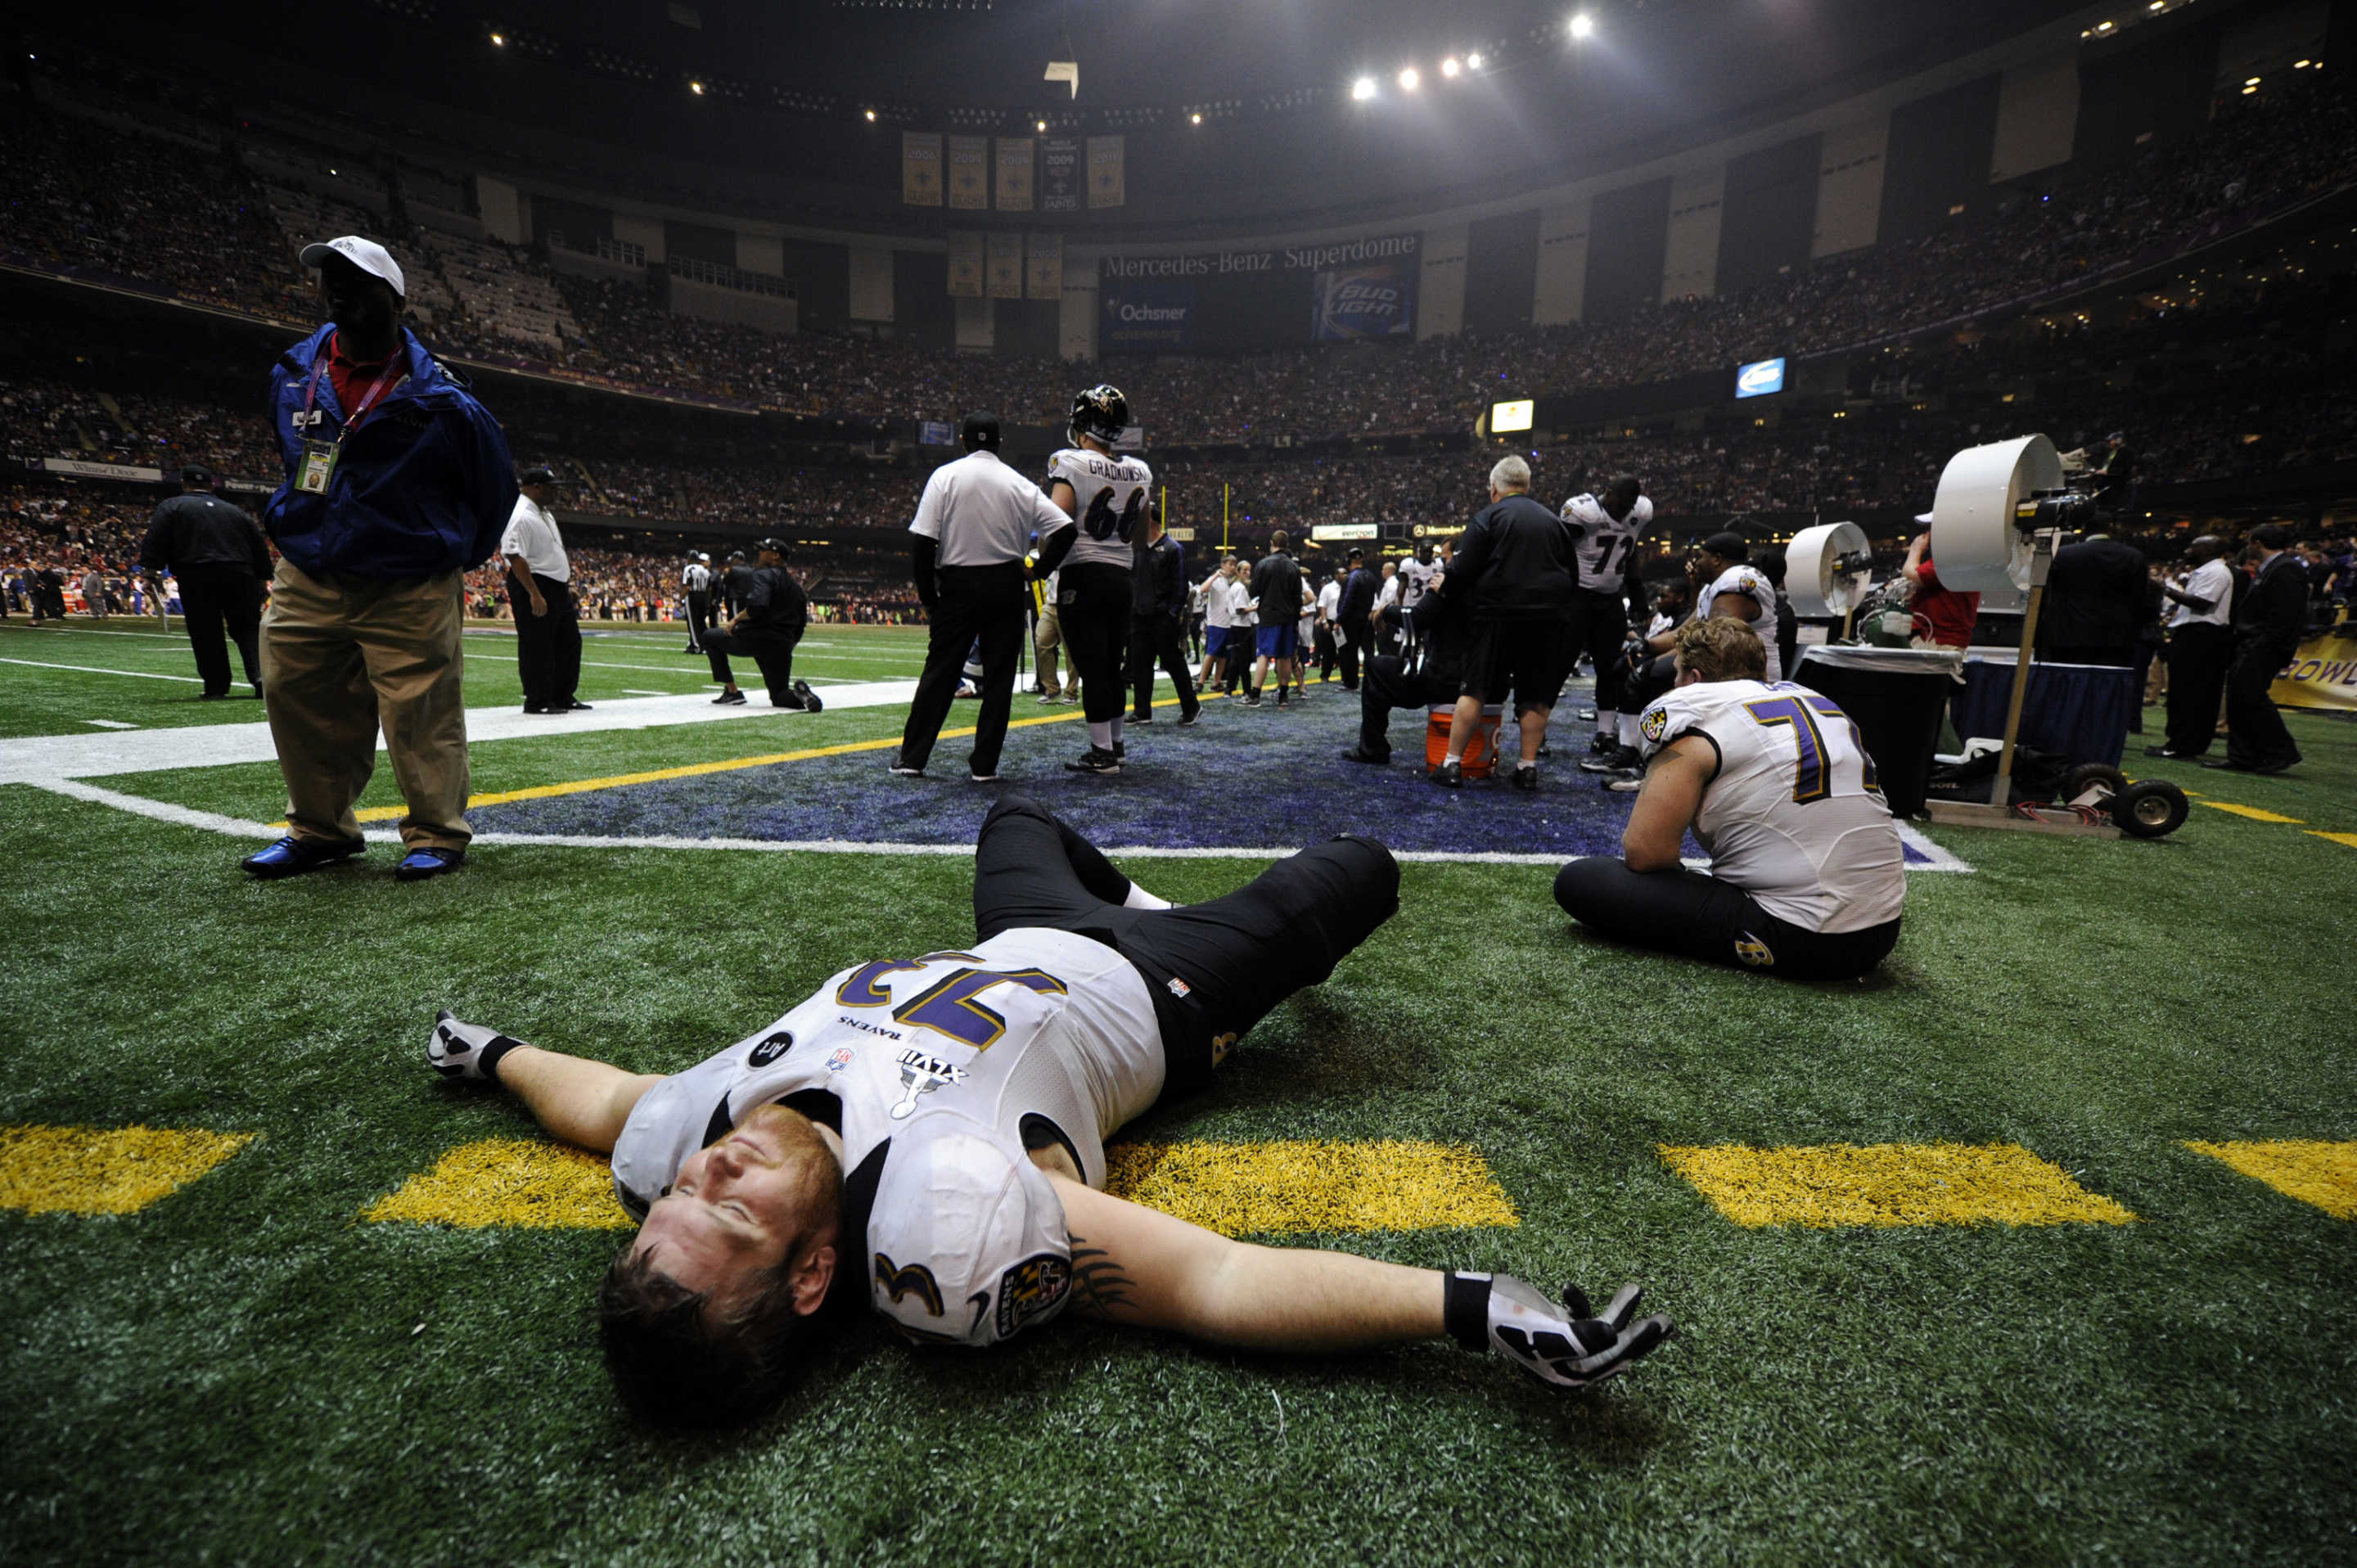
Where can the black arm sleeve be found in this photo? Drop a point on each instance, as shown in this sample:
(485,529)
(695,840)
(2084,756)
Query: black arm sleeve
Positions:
(922,552)
(155,553)
(1053,548)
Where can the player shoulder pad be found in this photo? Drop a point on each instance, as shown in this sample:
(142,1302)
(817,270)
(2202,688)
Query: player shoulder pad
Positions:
(1685,711)
(967,1242)
(1641,513)
(1067,462)
(1586,510)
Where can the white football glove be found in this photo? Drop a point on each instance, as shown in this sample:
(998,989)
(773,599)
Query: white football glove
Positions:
(1565,1344)
(466,1050)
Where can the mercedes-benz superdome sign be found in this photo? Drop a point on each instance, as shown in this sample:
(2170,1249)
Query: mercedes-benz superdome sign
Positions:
(1236,300)
(1759,377)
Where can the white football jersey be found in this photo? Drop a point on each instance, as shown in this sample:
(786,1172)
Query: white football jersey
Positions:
(1793,817)
(1109,496)
(1749,582)
(1218,606)
(1604,545)
(947,1069)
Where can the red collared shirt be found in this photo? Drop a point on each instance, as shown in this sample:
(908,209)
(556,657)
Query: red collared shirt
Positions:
(353,378)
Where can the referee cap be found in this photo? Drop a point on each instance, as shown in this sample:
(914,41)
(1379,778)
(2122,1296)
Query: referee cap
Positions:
(980,432)
(197,474)
(538,473)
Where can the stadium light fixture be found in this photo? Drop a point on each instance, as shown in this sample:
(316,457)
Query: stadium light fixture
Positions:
(697,88)
(1450,67)
(498,40)
(871,116)
(1473,62)
(1196,118)
(2250,81)
(1583,25)
(1409,79)
(1363,89)
(1038,124)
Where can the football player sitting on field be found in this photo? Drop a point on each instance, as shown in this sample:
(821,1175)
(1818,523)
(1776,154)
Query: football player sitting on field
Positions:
(928,1133)
(1805,878)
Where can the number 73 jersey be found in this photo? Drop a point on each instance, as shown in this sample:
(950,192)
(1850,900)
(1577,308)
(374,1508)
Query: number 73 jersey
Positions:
(1109,496)
(1793,816)
(948,1069)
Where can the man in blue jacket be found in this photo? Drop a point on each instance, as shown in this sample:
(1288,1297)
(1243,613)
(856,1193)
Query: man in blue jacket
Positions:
(397,481)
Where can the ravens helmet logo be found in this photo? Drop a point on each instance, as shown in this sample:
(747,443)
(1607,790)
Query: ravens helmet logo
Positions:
(1101,413)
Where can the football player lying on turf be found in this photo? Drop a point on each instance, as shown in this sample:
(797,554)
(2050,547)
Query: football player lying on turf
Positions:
(1806,880)
(930,1132)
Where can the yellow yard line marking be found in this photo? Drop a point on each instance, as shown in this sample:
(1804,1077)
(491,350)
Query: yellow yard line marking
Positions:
(1836,1184)
(509,1181)
(104,1170)
(1237,1188)
(2253,812)
(2349,839)
(1316,1185)
(697,769)
(2323,1174)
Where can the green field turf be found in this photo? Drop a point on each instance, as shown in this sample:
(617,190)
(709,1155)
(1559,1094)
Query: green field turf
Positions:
(246,1371)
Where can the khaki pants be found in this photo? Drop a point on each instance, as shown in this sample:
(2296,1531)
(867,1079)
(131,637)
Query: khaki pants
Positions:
(341,655)
(1046,635)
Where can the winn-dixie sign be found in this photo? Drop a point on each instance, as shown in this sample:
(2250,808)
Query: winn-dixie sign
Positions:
(1282,259)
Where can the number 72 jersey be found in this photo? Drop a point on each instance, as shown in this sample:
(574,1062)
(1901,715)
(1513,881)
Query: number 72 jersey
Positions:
(1793,815)
(1110,496)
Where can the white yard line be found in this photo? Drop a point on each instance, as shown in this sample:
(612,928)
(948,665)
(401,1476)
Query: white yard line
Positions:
(110,723)
(93,669)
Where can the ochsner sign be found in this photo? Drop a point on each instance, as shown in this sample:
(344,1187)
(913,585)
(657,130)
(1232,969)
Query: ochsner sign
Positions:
(1276,259)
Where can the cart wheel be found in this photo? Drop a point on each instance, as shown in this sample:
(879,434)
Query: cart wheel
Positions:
(2075,783)
(2150,809)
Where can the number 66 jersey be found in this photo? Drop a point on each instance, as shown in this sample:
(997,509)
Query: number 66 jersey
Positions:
(1793,816)
(1109,496)
(948,1069)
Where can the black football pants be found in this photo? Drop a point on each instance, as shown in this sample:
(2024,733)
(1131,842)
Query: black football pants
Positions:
(2256,736)
(548,647)
(214,598)
(981,604)
(2198,654)
(1215,970)
(1391,683)
(773,656)
(1094,614)
(1153,637)
(1684,911)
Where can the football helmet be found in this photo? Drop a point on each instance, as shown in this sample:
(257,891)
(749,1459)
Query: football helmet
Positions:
(1101,413)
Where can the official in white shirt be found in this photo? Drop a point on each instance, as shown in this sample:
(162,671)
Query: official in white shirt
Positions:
(540,593)
(972,528)
(695,581)
(2200,648)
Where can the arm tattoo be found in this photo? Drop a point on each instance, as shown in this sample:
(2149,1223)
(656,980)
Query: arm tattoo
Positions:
(1098,1284)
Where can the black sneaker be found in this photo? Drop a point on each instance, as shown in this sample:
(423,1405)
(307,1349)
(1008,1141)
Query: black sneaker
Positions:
(901,769)
(1141,718)
(729,699)
(1187,718)
(1449,776)
(1588,716)
(575,706)
(1252,701)
(1619,760)
(811,702)
(1527,777)
(1121,749)
(1371,758)
(1625,780)
(2172,756)
(1097,761)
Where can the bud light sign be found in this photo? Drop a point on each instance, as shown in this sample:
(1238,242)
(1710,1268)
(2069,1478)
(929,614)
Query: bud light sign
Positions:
(1156,317)
(1759,377)
(1363,302)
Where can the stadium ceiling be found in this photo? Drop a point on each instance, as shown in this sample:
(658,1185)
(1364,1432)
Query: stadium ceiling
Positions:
(981,63)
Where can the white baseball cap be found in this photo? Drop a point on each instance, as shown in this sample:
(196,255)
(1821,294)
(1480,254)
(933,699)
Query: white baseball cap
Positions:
(366,255)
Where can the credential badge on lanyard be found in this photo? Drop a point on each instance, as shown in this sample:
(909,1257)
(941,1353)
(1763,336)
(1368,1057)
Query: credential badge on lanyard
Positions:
(318,464)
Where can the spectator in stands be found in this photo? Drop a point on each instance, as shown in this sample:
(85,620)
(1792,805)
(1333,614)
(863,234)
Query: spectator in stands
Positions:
(397,482)
(222,563)
(2268,625)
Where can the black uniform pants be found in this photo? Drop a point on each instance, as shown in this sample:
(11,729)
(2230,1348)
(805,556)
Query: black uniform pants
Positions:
(1094,613)
(1602,628)
(699,619)
(1321,644)
(1153,637)
(1215,970)
(218,598)
(1684,911)
(981,604)
(772,654)
(1361,631)
(548,645)
(2199,655)
(2255,734)
(1390,682)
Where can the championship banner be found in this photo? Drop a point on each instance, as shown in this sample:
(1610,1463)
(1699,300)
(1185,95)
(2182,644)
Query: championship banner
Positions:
(1043,267)
(966,263)
(1014,174)
(2322,674)
(920,168)
(1006,266)
(1106,185)
(1060,174)
(969,182)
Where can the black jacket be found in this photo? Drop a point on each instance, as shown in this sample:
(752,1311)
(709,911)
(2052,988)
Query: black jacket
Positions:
(773,605)
(1277,583)
(1440,635)
(1357,597)
(198,530)
(1514,562)
(1161,587)
(2273,612)
(2094,592)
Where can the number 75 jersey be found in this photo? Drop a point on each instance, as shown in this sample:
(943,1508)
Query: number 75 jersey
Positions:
(1793,816)
(1110,496)
(948,1069)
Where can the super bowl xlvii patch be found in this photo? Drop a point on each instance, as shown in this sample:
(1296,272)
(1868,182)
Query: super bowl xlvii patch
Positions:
(1750,949)
(1655,723)
(1031,1290)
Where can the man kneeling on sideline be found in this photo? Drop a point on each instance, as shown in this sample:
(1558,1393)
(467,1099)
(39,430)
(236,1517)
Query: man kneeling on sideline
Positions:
(1806,877)
(928,1133)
